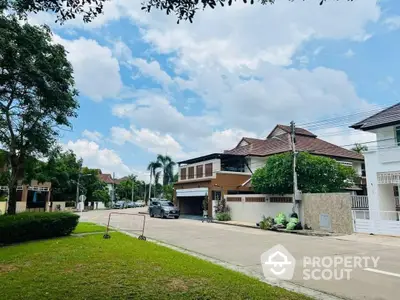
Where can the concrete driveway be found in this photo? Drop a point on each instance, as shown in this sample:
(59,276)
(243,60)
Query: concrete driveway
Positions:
(242,247)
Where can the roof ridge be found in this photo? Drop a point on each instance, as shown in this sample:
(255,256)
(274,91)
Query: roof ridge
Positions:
(374,115)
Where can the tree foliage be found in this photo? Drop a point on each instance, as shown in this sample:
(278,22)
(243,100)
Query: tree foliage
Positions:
(167,165)
(62,170)
(101,196)
(124,188)
(64,9)
(359,148)
(186,9)
(37,94)
(316,174)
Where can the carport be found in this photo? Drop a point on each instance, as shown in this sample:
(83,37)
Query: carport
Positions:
(190,201)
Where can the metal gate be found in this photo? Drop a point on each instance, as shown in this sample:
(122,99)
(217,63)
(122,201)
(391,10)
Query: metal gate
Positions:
(376,222)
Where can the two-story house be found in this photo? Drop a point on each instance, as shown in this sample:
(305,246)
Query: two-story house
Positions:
(219,174)
(382,163)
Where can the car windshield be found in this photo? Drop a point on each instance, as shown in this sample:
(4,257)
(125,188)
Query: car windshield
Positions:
(166,203)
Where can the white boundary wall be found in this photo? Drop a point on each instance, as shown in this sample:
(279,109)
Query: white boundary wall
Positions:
(252,207)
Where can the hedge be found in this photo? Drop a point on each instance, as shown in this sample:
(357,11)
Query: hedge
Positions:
(32,226)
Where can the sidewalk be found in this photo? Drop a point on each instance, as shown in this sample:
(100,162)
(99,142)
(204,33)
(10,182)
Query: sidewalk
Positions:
(252,225)
(371,239)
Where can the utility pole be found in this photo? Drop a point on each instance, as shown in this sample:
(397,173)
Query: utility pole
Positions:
(132,191)
(293,142)
(151,177)
(77,189)
(113,188)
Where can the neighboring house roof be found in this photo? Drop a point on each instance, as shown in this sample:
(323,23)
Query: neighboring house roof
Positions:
(106,178)
(305,141)
(387,117)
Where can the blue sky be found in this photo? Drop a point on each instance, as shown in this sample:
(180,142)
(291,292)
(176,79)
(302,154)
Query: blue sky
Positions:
(148,85)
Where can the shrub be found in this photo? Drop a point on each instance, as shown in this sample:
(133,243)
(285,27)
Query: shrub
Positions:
(32,226)
(266,223)
(223,216)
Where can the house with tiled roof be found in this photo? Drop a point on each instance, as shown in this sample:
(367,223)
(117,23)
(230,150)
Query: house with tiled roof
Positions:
(383,173)
(218,174)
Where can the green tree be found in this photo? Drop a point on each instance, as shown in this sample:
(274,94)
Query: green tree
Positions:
(101,196)
(359,148)
(168,191)
(62,170)
(125,188)
(167,165)
(37,95)
(316,174)
(90,184)
(64,9)
(152,167)
(156,183)
(186,9)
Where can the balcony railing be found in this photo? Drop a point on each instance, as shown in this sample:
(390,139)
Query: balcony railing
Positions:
(359,202)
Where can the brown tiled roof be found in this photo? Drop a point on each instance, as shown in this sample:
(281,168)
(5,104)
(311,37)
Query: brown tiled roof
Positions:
(107,178)
(299,131)
(387,117)
(304,142)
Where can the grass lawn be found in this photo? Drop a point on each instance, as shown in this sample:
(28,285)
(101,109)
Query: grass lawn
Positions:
(84,227)
(122,267)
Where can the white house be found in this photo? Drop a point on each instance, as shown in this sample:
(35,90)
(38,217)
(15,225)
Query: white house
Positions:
(382,164)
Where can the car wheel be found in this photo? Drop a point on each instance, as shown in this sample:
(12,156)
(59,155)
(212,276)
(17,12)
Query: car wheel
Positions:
(163,215)
(176,217)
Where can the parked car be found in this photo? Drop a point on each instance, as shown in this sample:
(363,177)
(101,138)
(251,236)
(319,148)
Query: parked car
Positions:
(119,205)
(131,204)
(163,209)
(140,203)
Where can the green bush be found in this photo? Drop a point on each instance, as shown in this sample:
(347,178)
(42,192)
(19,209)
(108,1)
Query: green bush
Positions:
(223,216)
(266,223)
(33,226)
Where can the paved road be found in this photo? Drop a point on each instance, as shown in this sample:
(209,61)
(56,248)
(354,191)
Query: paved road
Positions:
(243,246)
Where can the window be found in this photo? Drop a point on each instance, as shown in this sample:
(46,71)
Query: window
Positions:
(191,173)
(183,174)
(363,173)
(216,195)
(199,171)
(398,135)
(209,169)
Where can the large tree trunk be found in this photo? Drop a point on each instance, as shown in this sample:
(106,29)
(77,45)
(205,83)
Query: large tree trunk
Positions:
(12,190)
(16,173)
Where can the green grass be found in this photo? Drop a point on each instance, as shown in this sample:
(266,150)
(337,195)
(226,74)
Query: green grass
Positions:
(122,267)
(84,227)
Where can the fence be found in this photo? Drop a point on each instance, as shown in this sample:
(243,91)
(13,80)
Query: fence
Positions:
(252,207)
(359,202)
(378,222)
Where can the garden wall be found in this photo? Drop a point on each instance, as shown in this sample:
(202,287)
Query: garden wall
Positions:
(252,207)
(328,212)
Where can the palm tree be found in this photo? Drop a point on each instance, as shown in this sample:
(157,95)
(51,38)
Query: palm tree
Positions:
(156,180)
(167,165)
(152,167)
(359,148)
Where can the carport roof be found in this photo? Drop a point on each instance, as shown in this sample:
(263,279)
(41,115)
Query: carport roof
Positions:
(208,157)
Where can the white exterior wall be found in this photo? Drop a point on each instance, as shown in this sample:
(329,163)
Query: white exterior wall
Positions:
(256,163)
(216,168)
(385,159)
(253,212)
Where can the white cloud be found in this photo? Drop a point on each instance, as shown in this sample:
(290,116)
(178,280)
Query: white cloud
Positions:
(349,53)
(145,138)
(392,23)
(92,135)
(99,158)
(152,69)
(239,35)
(96,71)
